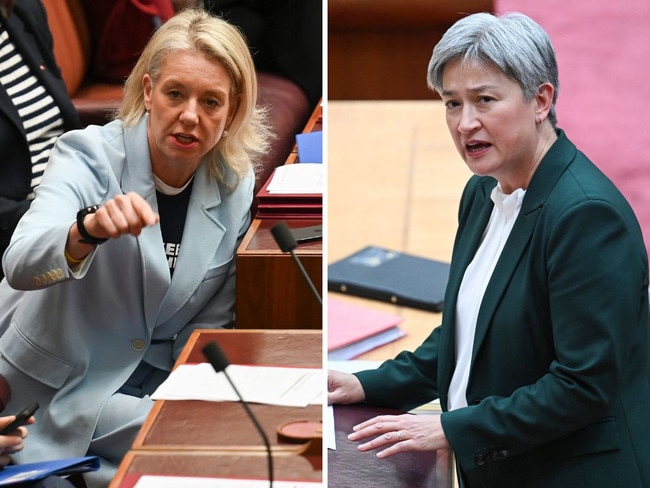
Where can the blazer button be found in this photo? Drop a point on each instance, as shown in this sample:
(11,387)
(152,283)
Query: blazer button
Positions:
(479,459)
(137,344)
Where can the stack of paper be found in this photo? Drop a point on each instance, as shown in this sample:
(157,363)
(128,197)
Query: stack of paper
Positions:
(293,191)
(353,330)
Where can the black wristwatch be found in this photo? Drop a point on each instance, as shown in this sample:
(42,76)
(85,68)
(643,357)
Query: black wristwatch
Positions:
(87,238)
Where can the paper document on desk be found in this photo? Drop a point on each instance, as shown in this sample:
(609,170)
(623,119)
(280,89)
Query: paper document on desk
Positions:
(300,178)
(149,481)
(289,387)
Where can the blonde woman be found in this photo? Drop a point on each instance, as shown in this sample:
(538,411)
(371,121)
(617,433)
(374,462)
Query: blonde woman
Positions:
(130,243)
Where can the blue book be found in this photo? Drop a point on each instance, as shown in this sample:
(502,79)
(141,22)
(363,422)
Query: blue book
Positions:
(19,473)
(310,147)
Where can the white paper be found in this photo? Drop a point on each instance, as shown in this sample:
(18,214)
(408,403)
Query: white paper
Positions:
(148,481)
(290,387)
(330,432)
(352,366)
(345,367)
(297,178)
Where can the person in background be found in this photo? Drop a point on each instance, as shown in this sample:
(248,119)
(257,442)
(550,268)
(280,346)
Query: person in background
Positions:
(118,32)
(541,361)
(285,37)
(35,108)
(130,243)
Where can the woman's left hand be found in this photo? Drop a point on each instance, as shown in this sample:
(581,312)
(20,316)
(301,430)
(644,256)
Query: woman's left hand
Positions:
(401,433)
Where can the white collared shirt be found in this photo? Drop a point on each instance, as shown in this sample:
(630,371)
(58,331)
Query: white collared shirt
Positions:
(475,281)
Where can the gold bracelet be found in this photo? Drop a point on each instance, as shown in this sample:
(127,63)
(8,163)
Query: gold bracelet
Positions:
(70,259)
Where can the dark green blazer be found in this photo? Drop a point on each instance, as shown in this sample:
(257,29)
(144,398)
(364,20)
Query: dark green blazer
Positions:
(559,389)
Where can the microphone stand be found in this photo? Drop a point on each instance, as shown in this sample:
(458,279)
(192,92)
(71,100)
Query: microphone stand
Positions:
(219,362)
(287,243)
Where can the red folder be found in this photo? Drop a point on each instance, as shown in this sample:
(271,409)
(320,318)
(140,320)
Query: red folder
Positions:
(353,329)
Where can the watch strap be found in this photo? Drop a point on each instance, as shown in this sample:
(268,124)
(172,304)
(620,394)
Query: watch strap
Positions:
(87,238)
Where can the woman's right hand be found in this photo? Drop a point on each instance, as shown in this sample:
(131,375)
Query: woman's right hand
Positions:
(344,388)
(123,214)
(12,443)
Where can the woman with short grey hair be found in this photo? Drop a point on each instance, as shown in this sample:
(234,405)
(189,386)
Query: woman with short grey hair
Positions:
(541,361)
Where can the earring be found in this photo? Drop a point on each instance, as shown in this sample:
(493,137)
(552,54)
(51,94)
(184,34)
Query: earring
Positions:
(225,133)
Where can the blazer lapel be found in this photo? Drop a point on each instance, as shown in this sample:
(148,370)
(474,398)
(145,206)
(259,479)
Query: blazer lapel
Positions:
(551,167)
(505,267)
(136,176)
(467,242)
(201,237)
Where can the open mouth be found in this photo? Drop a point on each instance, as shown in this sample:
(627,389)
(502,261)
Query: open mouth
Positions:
(184,139)
(476,147)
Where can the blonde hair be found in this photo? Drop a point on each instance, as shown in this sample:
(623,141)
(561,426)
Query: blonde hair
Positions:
(196,30)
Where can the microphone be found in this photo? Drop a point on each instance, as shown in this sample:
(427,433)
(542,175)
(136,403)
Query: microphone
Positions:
(287,243)
(219,362)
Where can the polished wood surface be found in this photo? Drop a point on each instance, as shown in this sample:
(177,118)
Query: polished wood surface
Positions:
(271,293)
(211,464)
(395,180)
(380,49)
(203,426)
(347,466)
(294,348)
(187,425)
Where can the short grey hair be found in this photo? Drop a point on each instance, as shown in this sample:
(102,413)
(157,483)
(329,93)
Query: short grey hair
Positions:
(514,43)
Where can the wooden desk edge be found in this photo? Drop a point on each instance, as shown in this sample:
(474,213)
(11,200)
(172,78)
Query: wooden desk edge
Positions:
(196,334)
(125,465)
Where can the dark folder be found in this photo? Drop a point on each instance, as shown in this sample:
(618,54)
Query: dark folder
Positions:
(391,276)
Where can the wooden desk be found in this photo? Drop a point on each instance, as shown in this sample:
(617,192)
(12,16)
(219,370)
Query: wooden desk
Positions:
(347,466)
(200,426)
(211,464)
(177,431)
(394,180)
(271,292)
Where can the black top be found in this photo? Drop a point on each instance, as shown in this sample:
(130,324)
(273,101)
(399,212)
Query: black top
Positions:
(173,210)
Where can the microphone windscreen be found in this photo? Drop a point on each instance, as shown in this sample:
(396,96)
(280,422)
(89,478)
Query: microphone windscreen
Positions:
(215,356)
(284,237)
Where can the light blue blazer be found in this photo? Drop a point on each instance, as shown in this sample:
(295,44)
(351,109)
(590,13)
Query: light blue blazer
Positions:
(71,339)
